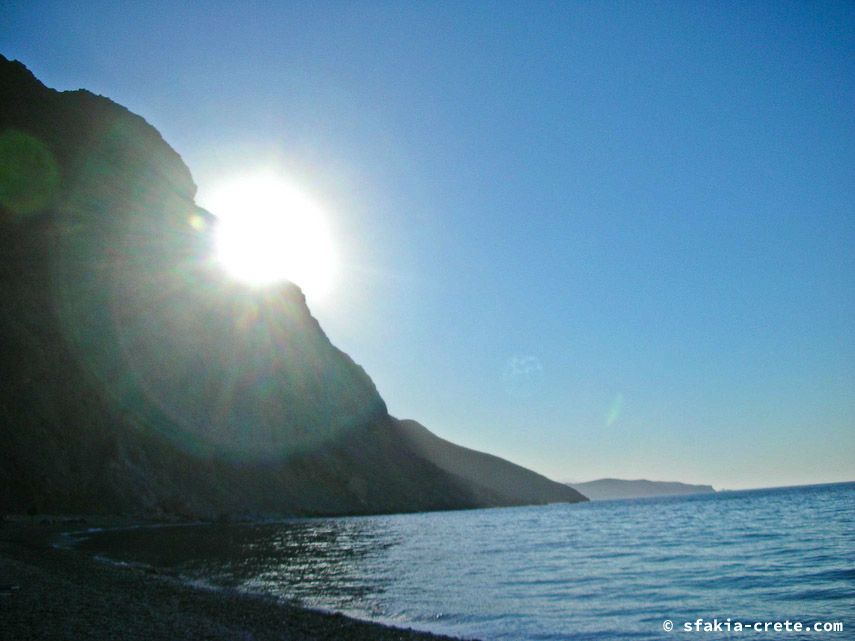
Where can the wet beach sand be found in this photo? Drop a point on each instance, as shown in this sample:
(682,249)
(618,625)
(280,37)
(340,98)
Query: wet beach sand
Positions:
(49,592)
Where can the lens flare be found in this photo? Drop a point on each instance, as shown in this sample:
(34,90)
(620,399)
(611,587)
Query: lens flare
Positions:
(522,376)
(614,410)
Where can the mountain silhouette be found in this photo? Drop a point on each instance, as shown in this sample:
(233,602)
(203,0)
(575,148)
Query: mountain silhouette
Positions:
(135,377)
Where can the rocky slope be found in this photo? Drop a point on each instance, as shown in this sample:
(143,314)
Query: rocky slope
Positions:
(134,377)
(489,475)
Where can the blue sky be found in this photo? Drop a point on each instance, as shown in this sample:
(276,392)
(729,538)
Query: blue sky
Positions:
(598,239)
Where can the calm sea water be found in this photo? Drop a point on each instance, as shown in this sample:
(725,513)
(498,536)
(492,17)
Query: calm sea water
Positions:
(607,570)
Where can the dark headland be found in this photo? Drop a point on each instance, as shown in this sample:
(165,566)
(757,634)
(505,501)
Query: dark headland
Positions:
(136,379)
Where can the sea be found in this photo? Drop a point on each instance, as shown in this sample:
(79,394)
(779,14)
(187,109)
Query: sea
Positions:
(622,569)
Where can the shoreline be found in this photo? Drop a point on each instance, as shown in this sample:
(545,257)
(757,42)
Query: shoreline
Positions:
(54,591)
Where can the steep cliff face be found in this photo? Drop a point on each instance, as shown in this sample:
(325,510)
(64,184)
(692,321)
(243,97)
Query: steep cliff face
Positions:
(134,376)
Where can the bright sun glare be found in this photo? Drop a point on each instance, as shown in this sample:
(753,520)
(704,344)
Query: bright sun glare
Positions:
(269,231)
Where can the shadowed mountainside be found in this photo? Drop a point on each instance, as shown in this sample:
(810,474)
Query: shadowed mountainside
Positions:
(489,474)
(135,377)
(603,489)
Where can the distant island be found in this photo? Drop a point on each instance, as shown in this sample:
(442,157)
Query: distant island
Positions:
(605,489)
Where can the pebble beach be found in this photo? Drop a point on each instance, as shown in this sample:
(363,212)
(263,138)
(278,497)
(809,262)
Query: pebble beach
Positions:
(50,591)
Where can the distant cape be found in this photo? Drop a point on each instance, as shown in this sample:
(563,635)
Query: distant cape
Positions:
(136,378)
(603,489)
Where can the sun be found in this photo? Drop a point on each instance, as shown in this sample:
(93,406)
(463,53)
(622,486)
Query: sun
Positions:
(269,231)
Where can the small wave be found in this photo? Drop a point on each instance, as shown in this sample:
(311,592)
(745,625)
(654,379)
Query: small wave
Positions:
(819,594)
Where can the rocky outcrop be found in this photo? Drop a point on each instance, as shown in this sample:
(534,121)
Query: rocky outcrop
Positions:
(135,377)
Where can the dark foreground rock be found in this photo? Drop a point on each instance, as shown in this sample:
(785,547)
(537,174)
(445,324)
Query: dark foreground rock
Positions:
(136,377)
(50,594)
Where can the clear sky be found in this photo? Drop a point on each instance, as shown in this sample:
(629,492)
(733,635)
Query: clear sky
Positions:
(598,239)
